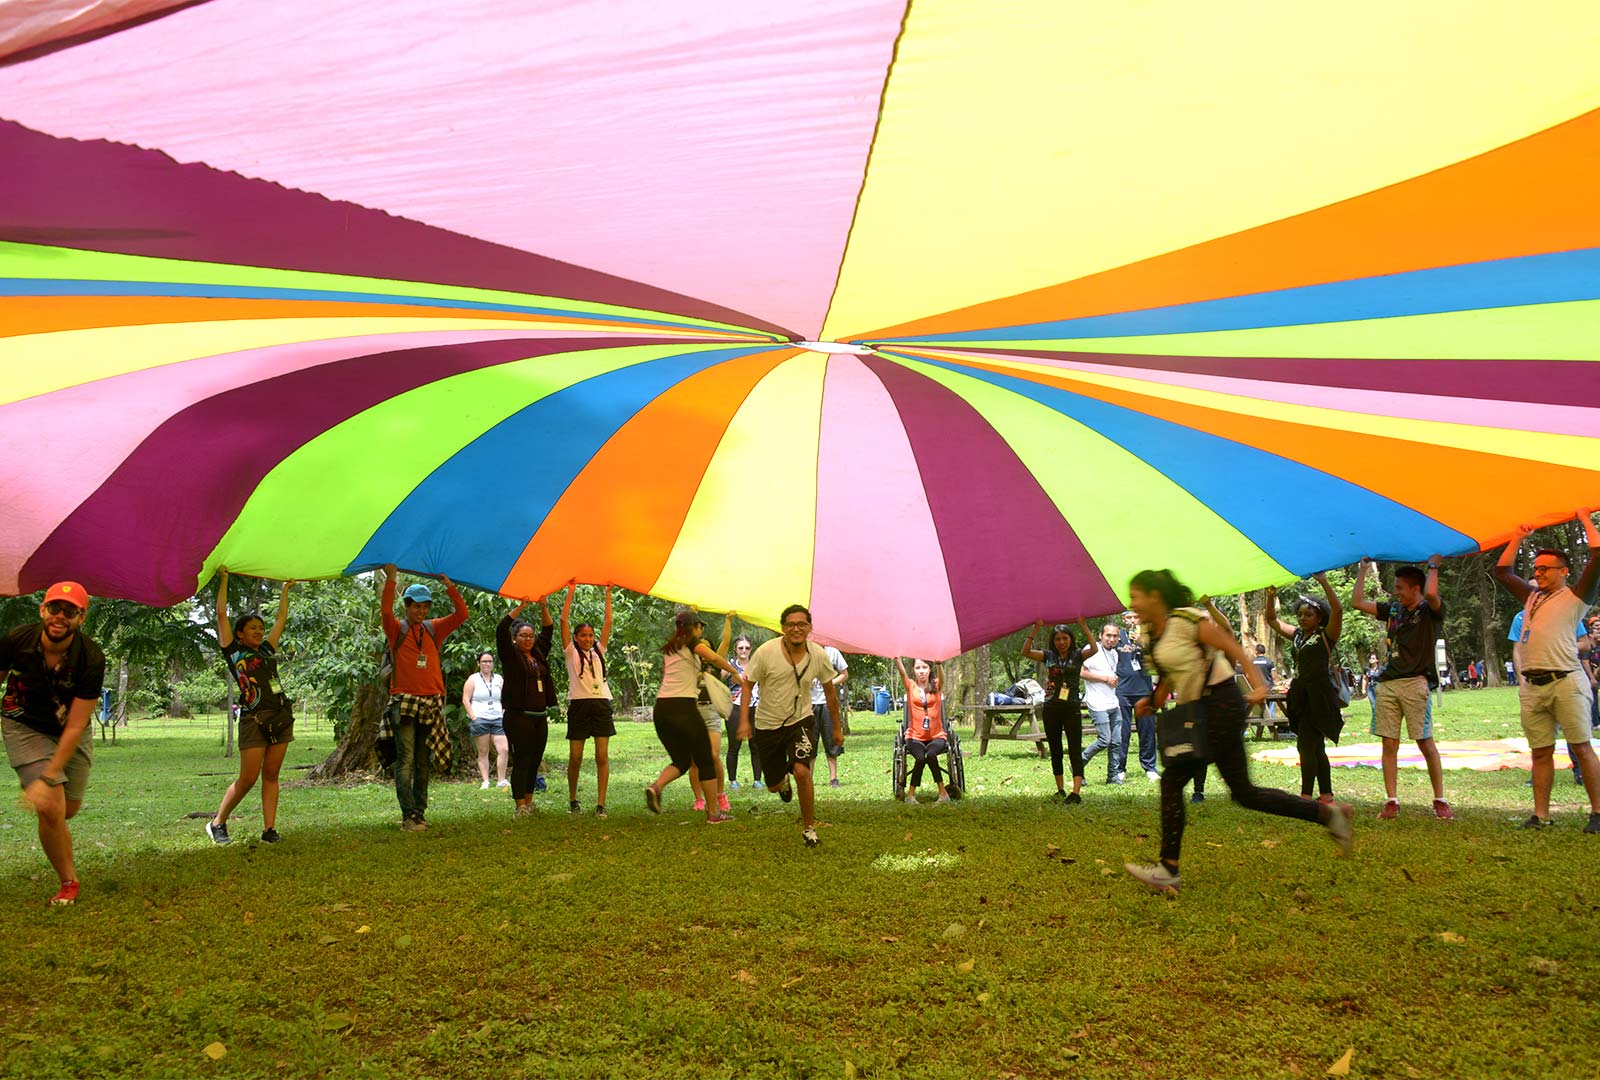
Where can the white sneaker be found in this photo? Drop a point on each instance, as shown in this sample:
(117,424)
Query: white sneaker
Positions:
(911,800)
(1154,875)
(944,798)
(484,786)
(810,836)
(504,783)
(1151,774)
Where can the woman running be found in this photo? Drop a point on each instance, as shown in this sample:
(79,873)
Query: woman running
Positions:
(740,658)
(588,701)
(1063,662)
(266,725)
(527,696)
(1313,704)
(1191,655)
(679,725)
(925,737)
(714,725)
(480,697)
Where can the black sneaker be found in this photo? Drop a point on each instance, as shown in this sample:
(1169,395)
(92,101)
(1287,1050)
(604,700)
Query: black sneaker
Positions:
(1536,822)
(1198,797)
(270,836)
(1594,824)
(218,833)
(652,799)
(786,792)
(573,807)
(1060,796)
(600,811)
(1073,800)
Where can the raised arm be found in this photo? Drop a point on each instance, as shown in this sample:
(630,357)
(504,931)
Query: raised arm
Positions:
(1091,642)
(283,616)
(605,626)
(566,614)
(901,666)
(224,625)
(1358,593)
(1283,629)
(1430,588)
(1587,581)
(711,656)
(1028,651)
(727,635)
(1335,611)
(1212,635)
(1218,617)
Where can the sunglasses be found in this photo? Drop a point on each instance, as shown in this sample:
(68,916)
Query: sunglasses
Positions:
(61,607)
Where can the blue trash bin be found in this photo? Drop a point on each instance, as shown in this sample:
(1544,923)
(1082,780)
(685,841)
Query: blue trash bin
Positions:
(880,700)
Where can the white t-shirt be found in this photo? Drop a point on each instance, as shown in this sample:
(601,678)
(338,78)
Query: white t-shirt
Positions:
(585,682)
(486,696)
(680,675)
(835,661)
(1550,631)
(1099,696)
(785,688)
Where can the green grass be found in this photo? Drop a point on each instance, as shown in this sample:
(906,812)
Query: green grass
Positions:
(998,936)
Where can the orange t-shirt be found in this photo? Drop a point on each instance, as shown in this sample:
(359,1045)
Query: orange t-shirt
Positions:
(408,678)
(926,716)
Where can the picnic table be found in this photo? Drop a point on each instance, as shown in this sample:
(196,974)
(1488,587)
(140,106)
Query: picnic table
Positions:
(1004,722)
(1258,719)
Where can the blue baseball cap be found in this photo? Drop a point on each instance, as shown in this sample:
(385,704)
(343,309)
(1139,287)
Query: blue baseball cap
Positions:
(417,594)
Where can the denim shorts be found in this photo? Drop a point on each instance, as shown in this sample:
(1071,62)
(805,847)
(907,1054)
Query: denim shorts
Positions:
(497,726)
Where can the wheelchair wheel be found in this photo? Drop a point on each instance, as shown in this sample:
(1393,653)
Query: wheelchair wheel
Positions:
(957,764)
(899,778)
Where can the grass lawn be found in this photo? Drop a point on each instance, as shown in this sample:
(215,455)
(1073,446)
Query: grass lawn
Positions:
(995,937)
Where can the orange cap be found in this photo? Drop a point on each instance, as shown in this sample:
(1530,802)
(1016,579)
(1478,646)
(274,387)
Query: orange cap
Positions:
(70,591)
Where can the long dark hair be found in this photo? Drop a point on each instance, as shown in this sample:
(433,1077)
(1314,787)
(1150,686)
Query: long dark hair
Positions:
(1174,593)
(682,633)
(1072,639)
(583,657)
(531,661)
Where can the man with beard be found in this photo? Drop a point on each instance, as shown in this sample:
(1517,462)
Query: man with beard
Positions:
(53,678)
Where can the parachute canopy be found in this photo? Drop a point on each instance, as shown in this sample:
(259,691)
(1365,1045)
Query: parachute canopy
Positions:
(938,316)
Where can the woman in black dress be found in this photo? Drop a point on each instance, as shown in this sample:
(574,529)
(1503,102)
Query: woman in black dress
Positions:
(1063,662)
(1313,705)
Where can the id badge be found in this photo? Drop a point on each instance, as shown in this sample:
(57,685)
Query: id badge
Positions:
(538,684)
(272,684)
(422,661)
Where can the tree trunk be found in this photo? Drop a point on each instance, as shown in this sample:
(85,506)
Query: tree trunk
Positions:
(981,676)
(1490,641)
(358,750)
(121,714)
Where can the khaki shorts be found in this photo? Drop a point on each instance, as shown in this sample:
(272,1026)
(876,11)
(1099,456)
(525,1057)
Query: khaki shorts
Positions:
(1407,698)
(30,752)
(1564,703)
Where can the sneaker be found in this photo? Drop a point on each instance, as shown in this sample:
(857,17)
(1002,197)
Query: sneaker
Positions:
(718,818)
(412,825)
(1594,824)
(834,782)
(484,786)
(911,800)
(1059,797)
(270,836)
(67,895)
(520,811)
(600,811)
(722,804)
(786,792)
(573,807)
(218,833)
(1536,822)
(1338,826)
(503,784)
(699,804)
(944,798)
(1441,810)
(1198,797)
(1390,811)
(422,823)
(652,799)
(1074,799)
(1151,774)
(733,785)
(758,786)
(1155,875)
(1120,778)
(1325,800)
(810,836)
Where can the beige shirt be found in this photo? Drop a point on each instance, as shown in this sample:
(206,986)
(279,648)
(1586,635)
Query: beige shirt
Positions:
(1180,657)
(1550,631)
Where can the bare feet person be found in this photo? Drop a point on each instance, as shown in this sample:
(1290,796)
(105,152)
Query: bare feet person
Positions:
(53,678)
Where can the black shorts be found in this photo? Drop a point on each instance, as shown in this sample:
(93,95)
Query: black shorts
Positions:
(589,718)
(779,748)
(684,735)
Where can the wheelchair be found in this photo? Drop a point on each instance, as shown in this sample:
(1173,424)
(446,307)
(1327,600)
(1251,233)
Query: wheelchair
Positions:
(955,767)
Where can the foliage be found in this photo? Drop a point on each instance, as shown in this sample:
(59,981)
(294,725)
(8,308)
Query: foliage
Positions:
(641,945)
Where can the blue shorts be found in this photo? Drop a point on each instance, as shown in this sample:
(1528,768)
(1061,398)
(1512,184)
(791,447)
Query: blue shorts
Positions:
(496,726)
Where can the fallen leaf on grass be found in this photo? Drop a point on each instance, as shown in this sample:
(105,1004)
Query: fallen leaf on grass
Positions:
(1342,1066)
(403,940)
(791,982)
(1269,843)
(908,836)
(1407,873)
(363,929)
(327,939)
(1451,937)
(1294,1070)
(337,1021)
(954,930)
(1052,850)
(1540,966)
(559,879)
(965,967)
(744,976)
(888,939)
(1232,940)
(341,906)
(1212,843)
(983,998)
(849,1070)
(214,1051)
(1070,1054)
(1413,1073)
(1106,871)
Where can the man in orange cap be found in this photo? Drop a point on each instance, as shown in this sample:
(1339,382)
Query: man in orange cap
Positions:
(53,677)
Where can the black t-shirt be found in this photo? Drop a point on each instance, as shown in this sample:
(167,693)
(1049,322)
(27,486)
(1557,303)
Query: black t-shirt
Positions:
(1412,634)
(1062,674)
(1264,666)
(256,672)
(39,697)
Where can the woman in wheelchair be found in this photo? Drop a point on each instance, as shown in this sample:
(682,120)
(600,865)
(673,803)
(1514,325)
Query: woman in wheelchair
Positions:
(925,734)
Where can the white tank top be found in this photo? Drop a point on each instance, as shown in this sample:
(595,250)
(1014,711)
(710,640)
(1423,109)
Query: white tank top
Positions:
(486,698)
(680,675)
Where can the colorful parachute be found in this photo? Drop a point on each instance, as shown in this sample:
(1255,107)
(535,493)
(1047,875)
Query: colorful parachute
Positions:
(938,315)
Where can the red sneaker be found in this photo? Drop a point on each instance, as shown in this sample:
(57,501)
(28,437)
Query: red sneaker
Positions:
(1441,810)
(1390,811)
(67,895)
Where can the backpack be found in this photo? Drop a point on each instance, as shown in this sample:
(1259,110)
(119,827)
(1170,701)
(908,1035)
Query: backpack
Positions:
(386,669)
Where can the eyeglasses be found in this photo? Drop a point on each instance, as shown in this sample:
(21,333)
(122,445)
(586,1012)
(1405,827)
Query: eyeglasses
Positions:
(796,625)
(61,607)
(1547,566)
